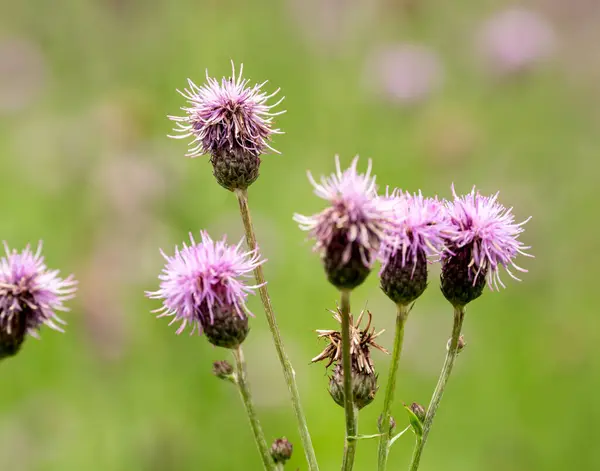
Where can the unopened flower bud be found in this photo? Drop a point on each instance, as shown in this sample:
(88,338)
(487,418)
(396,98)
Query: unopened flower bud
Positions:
(228,328)
(222,369)
(418,410)
(281,450)
(461,344)
(364,386)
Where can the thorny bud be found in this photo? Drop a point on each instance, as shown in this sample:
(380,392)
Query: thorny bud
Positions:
(418,410)
(281,450)
(223,369)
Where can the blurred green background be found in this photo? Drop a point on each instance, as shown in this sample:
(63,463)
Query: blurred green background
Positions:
(85,87)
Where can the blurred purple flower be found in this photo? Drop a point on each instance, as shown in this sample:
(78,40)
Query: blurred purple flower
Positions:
(29,295)
(489,230)
(419,230)
(226,116)
(515,39)
(355,211)
(22,74)
(203,277)
(406,74)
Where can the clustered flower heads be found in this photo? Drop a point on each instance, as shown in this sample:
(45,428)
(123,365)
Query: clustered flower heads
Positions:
(232,122)
(349,232)
(203,286)
(30,295)
(473,235)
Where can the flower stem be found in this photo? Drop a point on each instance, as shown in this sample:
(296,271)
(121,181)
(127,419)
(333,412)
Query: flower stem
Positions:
(349,407)
(244,388)
(459,315)
(384,426)
(288,370)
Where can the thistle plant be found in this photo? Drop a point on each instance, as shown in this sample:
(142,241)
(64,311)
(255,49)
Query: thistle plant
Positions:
(204,286)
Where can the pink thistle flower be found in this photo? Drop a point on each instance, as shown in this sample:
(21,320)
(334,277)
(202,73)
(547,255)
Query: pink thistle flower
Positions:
(30,294)
(227,116)
(418,231)
(202,285)
(348,233)
(420,227)
(515,39)
(484,237)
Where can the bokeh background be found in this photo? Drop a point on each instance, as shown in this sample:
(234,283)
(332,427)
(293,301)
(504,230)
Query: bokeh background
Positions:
(498,94)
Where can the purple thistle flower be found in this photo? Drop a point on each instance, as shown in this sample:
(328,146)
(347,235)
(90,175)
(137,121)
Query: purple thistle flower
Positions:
(226,116)
(201,285)
(489,231)
(418,232)
(348,233)
(515,39)
(419,227)
(29,296)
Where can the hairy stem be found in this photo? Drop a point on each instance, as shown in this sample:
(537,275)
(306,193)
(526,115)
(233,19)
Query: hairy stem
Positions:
(244,388)
(349,407)
(459,315)
(384,426)
(288,370)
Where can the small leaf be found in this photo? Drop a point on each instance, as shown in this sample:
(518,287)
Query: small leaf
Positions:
(364,437)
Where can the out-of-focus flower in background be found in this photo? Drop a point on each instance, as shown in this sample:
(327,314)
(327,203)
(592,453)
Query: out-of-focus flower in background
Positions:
(404,73)
(23,74)
(515,40)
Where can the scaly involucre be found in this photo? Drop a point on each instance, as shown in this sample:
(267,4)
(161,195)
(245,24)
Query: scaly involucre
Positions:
(355,210)
(492,231)
(203,276)
(419,227)
(28,288)
(227,116)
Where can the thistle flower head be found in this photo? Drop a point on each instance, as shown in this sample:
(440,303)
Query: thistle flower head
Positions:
(202,284)
(349,232)
(227,116)
(488,230)
(419,227)
(30,294)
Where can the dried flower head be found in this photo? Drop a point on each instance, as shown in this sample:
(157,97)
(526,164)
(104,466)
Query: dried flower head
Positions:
(348,233)
(202,285)
(418,231)
(30,295)
(229,115)
(484,237)
(361,342)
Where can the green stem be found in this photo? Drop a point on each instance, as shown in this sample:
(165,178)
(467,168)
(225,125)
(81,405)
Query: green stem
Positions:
(459,315)
(384,426)
(244,388)
(349,407)
(288,370)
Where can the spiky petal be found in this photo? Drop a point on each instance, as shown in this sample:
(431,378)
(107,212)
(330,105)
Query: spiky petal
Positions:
(30,295)
(203,285)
